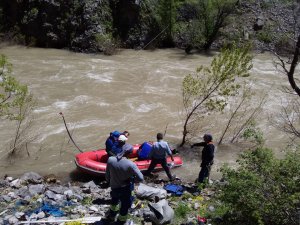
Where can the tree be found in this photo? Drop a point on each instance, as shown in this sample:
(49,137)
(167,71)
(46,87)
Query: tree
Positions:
(241,117)
(15,102)
(212,16)
(166,16)
(209,87)
(262,190)
(12,93)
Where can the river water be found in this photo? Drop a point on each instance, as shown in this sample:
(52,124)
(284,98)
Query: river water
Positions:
(138,91)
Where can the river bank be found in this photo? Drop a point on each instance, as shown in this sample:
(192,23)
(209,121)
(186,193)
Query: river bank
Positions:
(32,197)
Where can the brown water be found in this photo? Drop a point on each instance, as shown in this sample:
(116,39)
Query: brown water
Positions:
(139,91)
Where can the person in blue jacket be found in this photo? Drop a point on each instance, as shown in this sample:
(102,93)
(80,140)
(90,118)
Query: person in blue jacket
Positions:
(207,156)
(158,155)
(119,145)
(111,141)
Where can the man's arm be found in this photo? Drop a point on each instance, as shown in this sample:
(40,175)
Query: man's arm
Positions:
(137,173)
(169,152)
(198,144)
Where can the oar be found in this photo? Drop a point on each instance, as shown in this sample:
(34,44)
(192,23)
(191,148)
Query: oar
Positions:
(70,136)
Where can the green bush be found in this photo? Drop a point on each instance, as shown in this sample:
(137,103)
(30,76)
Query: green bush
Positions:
(105,43)
(264,36)
(181,212)
(263,190)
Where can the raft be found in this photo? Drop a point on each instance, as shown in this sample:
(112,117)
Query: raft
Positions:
(94,162)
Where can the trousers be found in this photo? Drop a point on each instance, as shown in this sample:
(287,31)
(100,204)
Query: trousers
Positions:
(164,165)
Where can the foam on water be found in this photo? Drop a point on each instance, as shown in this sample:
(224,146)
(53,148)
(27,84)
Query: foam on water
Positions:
(103,77)
(42,109)
(51,130)
(102,104)
(146,107)
(61,104)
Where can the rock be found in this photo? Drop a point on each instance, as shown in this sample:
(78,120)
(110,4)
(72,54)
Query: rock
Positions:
(36,189)
(23,192)
(41,215)
(12,195)
(260,21)
(17,183)
(19,215)
(93,208)
(32,177)
(50,194)
(13,220)
(6,198)
(90,187)
(9,179)
(196,205)
(4,183)
(78,197)
(68,194)
(211,208)
(57,189)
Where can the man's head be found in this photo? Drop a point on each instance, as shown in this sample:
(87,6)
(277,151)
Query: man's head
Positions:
(122,138)
(126,133)
(207,138)
(159,136)
(115,134)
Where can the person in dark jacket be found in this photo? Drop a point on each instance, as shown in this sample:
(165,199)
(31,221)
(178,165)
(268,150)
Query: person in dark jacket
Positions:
(111,141)
(121,174)
(207,157)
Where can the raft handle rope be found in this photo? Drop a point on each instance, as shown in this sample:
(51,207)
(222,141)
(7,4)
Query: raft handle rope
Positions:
(70,136)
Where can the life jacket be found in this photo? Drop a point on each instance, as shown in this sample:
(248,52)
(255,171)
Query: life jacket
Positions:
(144,151)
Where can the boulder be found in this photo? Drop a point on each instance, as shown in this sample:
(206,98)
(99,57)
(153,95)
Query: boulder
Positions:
(32,177)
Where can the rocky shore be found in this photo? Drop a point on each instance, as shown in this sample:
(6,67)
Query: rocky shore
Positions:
(35,198)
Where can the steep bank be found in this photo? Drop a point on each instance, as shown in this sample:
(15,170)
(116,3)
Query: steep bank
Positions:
(100,26)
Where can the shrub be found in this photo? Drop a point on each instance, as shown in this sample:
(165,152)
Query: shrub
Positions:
(263,190)
(181,212)
(105,43)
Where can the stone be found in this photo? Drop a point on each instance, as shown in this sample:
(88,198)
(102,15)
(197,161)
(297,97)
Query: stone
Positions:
(57,189)
(36,189)
(41,215)
(4,183)
(93,208)
(19,215)
(6,198)
(17,183)
(211,208)
(32,177)
(13,220)
(68,194)
(196,205)
(12,195)
(9,179)
(22,192)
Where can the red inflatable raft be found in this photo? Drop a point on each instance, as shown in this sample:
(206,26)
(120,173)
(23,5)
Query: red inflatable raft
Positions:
(94,162)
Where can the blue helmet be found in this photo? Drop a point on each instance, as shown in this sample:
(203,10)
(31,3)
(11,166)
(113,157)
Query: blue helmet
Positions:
(115,134)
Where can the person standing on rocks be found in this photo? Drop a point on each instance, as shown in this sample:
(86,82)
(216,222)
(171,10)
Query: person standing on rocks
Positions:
(207,157)
(121,174)
(158,155)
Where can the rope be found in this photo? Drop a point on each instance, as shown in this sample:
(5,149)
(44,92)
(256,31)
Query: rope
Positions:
(70,136)
(154,38)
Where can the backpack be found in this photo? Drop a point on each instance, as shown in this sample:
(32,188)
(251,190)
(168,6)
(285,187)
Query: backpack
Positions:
(145,149)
